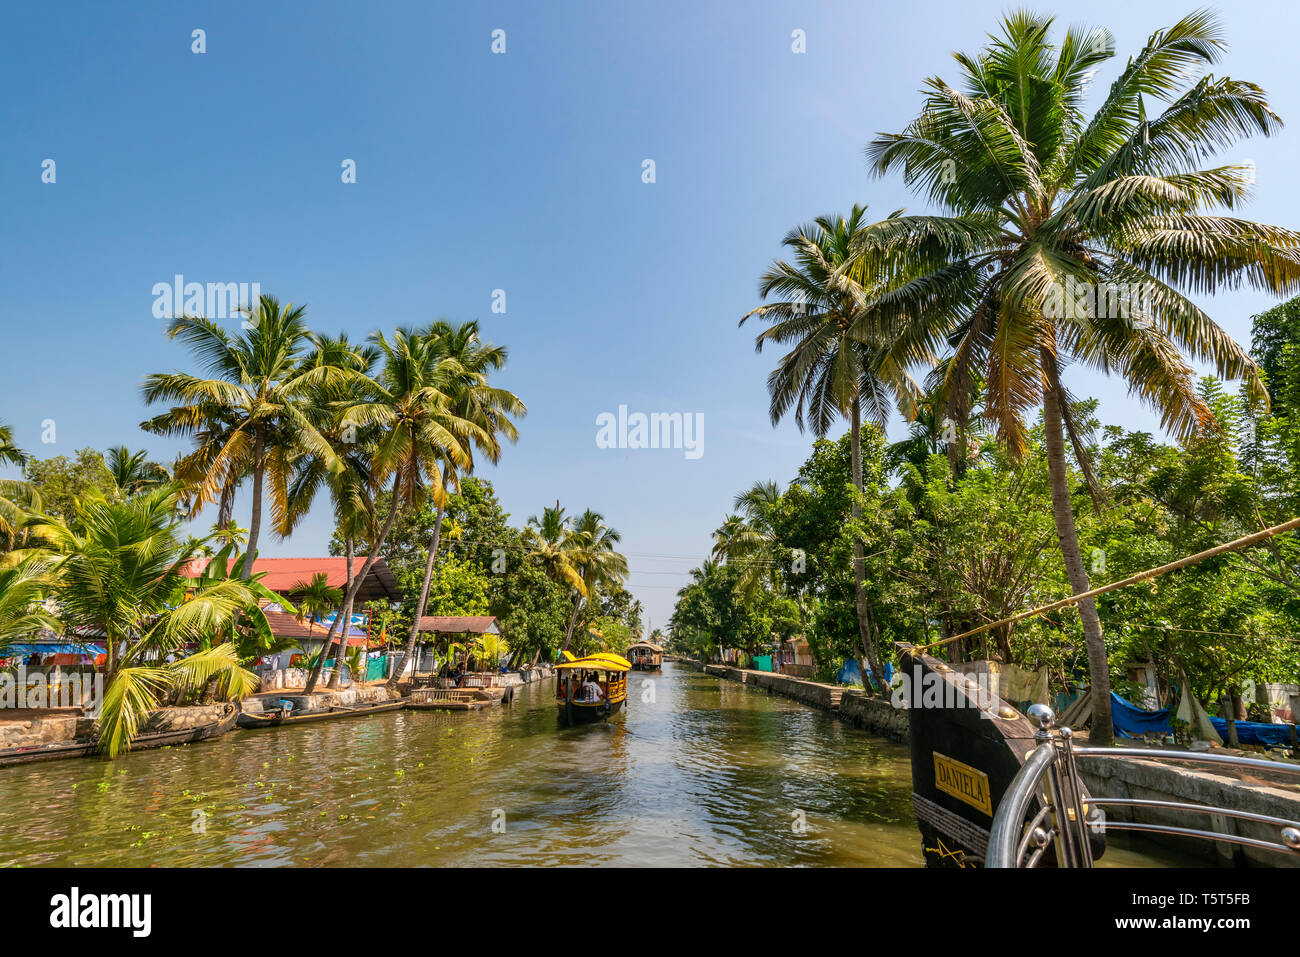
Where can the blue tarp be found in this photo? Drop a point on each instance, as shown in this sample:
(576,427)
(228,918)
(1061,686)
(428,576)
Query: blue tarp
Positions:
(850,675)
(1131,722)
(1256,732)
(50,648)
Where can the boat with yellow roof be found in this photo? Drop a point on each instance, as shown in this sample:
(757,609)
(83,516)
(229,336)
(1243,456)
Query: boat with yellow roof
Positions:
(593,688)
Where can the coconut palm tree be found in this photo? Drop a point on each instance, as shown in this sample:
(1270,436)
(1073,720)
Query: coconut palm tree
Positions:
(315,598)
(118,572)
(551,541)
(1073,238)
(133,472)
(250,417)
(408,406)
(10,454)
(350,487)
(17,498)
(23,588)
(474,401)
(596,560)
(839,364)
(748,540)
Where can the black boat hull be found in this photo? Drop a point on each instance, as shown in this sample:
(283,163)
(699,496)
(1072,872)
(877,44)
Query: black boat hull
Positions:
(966,747)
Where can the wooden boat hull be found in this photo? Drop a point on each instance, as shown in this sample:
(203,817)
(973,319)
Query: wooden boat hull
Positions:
(645,666)
(142,742)
(448,705)
(274,719)
(583,712)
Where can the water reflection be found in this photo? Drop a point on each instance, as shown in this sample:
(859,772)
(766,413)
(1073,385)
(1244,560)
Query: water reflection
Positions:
(700,771)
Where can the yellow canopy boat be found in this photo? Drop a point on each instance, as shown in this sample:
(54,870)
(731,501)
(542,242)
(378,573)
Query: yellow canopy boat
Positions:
(591,688)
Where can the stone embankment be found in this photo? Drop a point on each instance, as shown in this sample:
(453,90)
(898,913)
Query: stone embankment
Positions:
(869,713)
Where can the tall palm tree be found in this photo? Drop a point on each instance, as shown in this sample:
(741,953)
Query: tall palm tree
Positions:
(408,406)
(597,561)
(249,418)
(119,573)
(1041,202)
(470,361)
(839,364)
(350,487)
(552,543)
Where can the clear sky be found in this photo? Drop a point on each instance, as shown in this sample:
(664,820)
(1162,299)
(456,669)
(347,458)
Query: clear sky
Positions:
(477,171)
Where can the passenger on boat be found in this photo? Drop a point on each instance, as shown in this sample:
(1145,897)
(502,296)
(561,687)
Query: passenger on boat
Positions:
(591,689)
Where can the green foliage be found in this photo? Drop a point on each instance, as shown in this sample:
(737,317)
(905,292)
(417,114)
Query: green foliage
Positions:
(61,481)
(949,549)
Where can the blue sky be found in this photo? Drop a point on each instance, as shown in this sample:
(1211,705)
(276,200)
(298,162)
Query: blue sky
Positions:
(478,172)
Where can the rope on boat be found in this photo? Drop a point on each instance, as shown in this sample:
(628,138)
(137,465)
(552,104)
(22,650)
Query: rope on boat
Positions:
(1244,542)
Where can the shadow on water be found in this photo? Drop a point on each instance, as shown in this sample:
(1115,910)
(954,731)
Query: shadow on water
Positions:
(699,771)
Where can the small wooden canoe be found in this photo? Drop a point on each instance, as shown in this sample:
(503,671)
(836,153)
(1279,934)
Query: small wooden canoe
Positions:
(87,747)
(278,717)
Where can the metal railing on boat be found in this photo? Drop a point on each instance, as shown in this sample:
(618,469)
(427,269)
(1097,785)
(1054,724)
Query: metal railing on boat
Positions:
(1050,776)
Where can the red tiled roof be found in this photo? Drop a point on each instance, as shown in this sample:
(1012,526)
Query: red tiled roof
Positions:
(458,624)
(282,574)
(285,625)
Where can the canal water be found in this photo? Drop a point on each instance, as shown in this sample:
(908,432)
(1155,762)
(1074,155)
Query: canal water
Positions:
(700,771)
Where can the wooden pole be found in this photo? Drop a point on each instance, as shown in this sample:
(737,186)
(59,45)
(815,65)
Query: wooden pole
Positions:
(1243,542)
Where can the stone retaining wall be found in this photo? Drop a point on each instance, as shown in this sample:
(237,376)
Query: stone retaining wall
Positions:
(27,733)
(874,714)
(180,719)
(870,714)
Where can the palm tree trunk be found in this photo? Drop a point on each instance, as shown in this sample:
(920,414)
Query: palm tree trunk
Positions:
(865,643)
(319,668)
(344,618)
(255,521)
(573,620)
(423,603)
(1103,732)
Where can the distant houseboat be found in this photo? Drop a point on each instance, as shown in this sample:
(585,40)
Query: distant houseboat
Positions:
(592,688)
(645,656)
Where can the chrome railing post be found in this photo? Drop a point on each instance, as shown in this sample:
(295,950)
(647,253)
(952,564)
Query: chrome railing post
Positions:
(1080,822)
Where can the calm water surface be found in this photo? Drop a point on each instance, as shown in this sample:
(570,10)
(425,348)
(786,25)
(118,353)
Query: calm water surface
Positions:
(709,772)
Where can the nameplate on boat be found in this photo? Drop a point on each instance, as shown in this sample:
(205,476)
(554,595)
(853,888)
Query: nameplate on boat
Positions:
(963,782)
